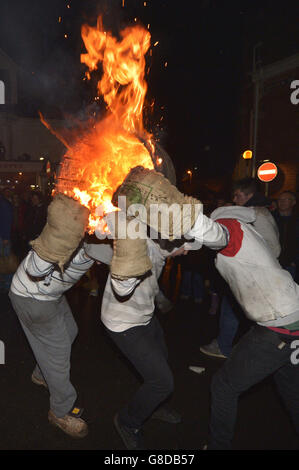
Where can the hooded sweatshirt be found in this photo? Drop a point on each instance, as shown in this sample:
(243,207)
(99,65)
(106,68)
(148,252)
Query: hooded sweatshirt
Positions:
(265,291)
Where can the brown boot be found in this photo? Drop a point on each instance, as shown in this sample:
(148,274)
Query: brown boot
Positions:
(70,424)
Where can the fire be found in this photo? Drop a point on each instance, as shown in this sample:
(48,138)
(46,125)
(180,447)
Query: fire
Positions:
(97,162)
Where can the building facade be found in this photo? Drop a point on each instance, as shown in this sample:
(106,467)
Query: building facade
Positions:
(27,148)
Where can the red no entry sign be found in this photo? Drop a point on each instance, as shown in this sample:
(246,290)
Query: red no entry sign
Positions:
(267,172)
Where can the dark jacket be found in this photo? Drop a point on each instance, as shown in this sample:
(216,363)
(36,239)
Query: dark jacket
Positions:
(288,227)
(36,220)
(258,200)
(6,218)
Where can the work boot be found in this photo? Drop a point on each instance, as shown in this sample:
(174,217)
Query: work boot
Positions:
(71,423)
(132,438)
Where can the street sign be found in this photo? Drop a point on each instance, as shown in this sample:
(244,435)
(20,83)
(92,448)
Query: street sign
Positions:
(267,172)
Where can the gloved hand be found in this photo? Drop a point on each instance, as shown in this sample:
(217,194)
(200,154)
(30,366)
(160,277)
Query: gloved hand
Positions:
(66,223)
(164,207)
(130,257)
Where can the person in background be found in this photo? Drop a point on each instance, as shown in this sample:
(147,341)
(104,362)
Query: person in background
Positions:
(192,281)
(6,221)
(246,194)
(36,216)
(288,225)
(17,226)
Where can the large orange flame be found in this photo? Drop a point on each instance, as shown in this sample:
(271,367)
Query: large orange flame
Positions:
(100,159)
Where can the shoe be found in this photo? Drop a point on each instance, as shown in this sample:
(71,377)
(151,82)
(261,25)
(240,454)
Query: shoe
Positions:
(167,415)
(132,438)
(94,293)
(212,349)
(165,306)
(38,381)
(71,423)
(184,297)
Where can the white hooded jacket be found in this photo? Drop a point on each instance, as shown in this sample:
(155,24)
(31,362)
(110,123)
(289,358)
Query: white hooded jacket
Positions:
(266,292)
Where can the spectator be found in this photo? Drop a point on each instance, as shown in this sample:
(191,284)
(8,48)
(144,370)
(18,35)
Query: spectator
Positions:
(288,226)
(36,217)
(192,283)
(16,232)
(6,219)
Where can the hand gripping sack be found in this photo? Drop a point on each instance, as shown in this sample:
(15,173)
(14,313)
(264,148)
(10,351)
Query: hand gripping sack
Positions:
(66,224)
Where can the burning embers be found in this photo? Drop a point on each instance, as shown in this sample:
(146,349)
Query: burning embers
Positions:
(99,160)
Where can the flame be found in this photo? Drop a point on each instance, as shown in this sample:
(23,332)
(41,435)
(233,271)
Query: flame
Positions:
(100,158)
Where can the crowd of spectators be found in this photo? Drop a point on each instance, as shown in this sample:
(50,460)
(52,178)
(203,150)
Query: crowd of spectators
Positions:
(22,218)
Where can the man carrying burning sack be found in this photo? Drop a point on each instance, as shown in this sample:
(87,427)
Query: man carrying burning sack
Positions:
(266,292)
(56,262)
(128,314)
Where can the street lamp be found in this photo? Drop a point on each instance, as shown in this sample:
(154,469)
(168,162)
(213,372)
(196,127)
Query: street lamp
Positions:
(247,155)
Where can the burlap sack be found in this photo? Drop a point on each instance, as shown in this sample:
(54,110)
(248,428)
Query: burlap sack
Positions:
(130,258)
(66,224)
(167,210)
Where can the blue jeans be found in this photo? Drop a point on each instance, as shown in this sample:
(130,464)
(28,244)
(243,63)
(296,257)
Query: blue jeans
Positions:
(228,326)
(259,354)
(291,270)
(192,284)
(5,279)
(145,348)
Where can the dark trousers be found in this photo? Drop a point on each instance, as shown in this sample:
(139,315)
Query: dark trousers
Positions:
(145,348)
(260,353)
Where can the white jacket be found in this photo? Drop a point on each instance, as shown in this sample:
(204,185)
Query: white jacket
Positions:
(265,291)
(259,217)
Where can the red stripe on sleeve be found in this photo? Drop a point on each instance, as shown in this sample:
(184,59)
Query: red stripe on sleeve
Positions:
(235,236)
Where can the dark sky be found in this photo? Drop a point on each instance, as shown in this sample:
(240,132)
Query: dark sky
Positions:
(207,45)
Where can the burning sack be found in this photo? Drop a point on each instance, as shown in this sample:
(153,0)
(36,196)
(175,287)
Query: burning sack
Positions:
(130,257)
(66,223)
(165,208)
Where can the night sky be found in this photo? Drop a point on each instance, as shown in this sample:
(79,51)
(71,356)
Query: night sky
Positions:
(207,46)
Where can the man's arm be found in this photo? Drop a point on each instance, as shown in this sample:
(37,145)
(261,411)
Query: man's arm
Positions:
(209,233)
(36,266)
